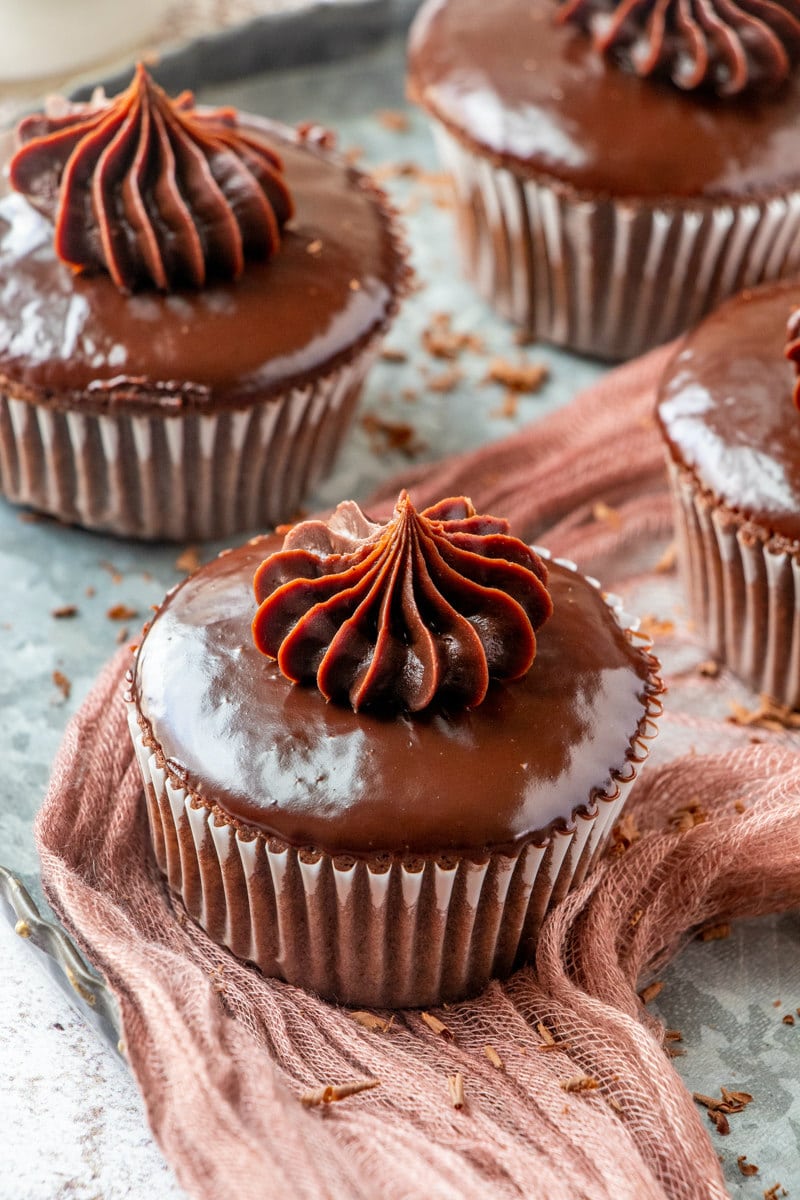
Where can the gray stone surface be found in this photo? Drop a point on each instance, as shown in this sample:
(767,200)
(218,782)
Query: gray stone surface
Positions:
(71,1122)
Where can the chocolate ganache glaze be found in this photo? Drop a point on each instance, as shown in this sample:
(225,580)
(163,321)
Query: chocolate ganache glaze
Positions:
(428,606)
(513,82)
(720,45)
(151,189)
(725,408)
(68,339)
(278,758)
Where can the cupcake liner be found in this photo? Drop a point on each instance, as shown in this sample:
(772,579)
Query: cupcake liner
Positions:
(390,931)
(609,278)
(178,476)
(743,588)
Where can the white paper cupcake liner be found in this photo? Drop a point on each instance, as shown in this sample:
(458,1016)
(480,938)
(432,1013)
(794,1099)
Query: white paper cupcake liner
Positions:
(609,278)
(743,589)
(178,476)
(389,932)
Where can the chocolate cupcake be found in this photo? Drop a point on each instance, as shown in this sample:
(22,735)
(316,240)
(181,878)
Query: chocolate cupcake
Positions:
(732,432)
(619,168)
(380,791)
(189,301)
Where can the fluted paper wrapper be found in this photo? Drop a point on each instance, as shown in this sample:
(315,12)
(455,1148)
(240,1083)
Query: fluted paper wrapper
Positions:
(388,932)
(743,589)
(610,278)
(178,476)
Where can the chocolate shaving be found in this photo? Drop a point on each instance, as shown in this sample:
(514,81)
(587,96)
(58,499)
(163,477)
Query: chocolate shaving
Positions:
(508,407)
(122,635)
(64,611)
(116,576)
(745,1167)
(673,1035)
(715,933)
(62,683)
(687,816)
(651,991)
(371,1021)
(719,1110)
(393,354)
(493,1057)
(456,1085)
(772,1193)
(121,612)
(545,1034)
(330,1093)
(436,1026)
(768,715)
(580,1083)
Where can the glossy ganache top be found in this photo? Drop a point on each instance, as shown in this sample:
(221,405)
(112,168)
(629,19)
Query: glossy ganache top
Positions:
(726,408)
(424,608)
(334,281)
(276,756)
(514,83)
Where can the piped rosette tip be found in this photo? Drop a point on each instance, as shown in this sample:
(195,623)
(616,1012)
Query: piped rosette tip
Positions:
(151,189)
(430,606)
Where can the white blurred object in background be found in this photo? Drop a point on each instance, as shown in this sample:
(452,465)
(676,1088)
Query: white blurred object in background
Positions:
(48,37)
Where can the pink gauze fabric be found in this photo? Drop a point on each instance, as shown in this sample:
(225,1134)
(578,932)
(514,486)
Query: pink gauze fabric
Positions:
(222,1055)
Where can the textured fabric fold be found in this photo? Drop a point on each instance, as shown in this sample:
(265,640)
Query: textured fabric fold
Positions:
(223,1055)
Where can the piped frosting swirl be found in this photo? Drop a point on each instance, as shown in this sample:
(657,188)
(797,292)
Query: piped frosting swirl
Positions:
(724,46)
(152,190)
(792,350)
(430,606)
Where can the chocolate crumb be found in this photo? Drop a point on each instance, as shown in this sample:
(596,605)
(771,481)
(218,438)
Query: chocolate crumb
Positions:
(673,1035)
(624,834)
(740,806)
(64,611)
(545,1034)
(330,1093)
(580,1083)
(121,612)
(745,1167)
(90,591)
(636,918)
(446,381)
(372,1021)
(715,933)
(651,991)
(667,560)
(493,1057)
(777,1003)
(456,1086)
(436,1026)
(517,377)
(787,1019)
(116,576)
(604,513)
(386,436)
(508,407)
(57,1025)
(709,668)
(314,248)
(393,354)
(768,715)
(188,560)
(687,816)
(654,627)
(62,683)
(393,119)
(442,341)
